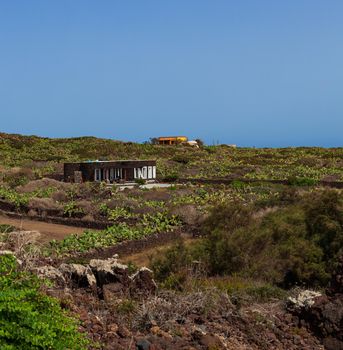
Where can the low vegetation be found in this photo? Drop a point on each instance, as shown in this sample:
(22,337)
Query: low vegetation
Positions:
(29,319)
(295,245)
(150,224)
(40,156)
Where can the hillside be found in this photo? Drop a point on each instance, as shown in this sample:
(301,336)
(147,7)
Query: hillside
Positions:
(236,261)
(180,161)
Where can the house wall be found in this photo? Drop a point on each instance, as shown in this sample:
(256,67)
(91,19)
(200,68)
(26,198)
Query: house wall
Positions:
(172,140)
(69,169)
(88,169)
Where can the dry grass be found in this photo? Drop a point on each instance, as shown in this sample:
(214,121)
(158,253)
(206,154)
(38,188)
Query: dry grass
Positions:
(188,213)
(25,246)
(168,307)
(42,184)
(44,204)
(144,257)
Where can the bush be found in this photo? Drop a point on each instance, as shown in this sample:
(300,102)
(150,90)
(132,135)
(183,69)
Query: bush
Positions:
(222,255)
(324,222)
(72,210)
(172,263)
(302,181)
(4,228)
(140,182)
(11,196)
(28,318)
(171,177)
(228,217)
(238,185)
(18,177)
(277,250)
(182,158)
(295,245)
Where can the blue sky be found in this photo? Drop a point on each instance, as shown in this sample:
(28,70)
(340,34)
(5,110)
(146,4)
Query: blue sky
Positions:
(254,73)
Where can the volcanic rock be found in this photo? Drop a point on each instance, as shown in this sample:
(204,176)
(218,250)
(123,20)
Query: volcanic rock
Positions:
(81,276)
(109,271)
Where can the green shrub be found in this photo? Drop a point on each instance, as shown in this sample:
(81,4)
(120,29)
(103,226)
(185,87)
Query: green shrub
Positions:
(182,158)
(171,177)
(228,217)
(265,292)
(149,224)
(302,181)
(171,263)
(4,228)
(238,185)
(176,280)
(295,245)
(222,254)
(277,250)
(324,222)
(126,306)
(18,178)
(28,318)
(140,182)
(71,210)
(19,200)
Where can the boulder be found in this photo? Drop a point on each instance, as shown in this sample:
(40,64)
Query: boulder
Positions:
(143,344)
(323,314)
(304,300)
(206,340)
(81,276)
(7,252)
(109,271)
(142,282)
(50,273)
(325,318)
(336,283)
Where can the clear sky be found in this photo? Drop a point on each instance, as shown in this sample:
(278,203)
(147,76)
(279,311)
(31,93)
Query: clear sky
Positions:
(249,72)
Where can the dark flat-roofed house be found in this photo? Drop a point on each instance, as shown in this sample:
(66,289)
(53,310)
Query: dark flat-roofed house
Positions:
(110,171)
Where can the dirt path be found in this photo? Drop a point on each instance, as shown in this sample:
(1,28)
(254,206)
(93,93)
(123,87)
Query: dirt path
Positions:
(140,253)
(48,231)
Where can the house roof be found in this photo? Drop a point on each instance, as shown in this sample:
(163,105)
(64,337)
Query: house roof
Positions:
(172,137)
(112,161)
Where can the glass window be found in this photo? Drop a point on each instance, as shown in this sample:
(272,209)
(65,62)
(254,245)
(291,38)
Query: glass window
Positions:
(149,172)
(97,175)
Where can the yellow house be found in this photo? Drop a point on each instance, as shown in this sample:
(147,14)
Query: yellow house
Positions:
(171,140)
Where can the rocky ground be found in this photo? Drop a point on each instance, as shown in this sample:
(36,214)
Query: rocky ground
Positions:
(121,310)
(323,314)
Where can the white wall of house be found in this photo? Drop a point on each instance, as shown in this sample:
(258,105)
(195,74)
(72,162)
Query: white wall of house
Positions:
(146,173)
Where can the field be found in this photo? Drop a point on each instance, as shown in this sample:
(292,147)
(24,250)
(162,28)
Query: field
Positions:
(250,223)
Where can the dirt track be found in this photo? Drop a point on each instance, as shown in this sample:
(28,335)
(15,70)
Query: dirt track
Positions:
(48,231)
(136,251)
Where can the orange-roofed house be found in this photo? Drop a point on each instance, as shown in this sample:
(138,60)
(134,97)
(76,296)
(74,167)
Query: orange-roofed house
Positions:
(171,140)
